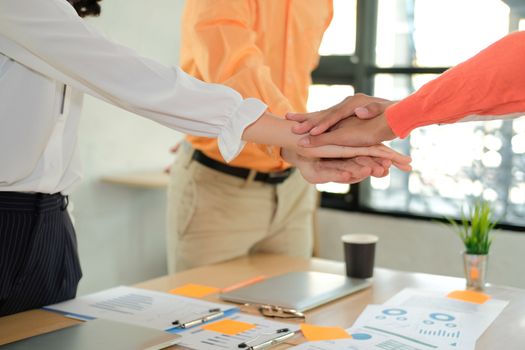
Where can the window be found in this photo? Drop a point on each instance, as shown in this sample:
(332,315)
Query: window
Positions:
(390,49)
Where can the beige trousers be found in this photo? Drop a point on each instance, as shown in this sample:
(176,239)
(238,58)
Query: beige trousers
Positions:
(213,217)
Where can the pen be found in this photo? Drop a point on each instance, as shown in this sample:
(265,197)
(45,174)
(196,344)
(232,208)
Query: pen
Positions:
(213,314)
(283,334)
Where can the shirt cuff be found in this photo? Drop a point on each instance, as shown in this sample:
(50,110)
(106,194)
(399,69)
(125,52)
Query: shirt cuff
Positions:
(229,140)
(402,117)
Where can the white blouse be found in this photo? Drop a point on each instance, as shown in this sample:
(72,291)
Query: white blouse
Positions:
(49,57)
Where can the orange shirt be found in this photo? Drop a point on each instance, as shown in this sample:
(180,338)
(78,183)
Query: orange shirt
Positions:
(262,48)
(490,85)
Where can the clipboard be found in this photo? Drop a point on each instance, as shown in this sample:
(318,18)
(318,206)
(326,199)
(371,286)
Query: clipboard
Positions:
(99,334)
(300,290)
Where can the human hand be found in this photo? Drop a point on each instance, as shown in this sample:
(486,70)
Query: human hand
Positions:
(352,131)
(378,152)
(316,123)
(349,171)
(272,130)
(347,131)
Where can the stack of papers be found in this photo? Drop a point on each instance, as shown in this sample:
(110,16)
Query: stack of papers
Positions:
(411,320)
(419,320)
(140,307)
(159,310)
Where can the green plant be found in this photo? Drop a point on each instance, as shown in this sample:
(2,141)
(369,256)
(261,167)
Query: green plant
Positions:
(475,228)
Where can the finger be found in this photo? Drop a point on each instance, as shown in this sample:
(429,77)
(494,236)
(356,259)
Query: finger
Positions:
(328,121)
(334,151)
(370,110)
(351,172)
(175,148)
(385,173)
(346,109)
(336,137)
(324,174)
(353,180)
(309,123)
(403,167)
(386,163)
(377,169)
(382,162)
(348,165)
(359,173)
(343,136)
(297,117)
(398,158)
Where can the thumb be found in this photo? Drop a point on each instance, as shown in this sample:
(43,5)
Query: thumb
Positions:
(298,117)
(370,110)
(335,137)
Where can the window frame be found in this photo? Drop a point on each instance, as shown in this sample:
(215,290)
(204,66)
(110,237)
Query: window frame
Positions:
(359,71)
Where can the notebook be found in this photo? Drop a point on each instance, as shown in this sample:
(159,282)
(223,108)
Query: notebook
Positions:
(301,290)
(99,334)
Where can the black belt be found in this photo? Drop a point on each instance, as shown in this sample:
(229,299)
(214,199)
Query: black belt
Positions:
(270,178)
(41,202)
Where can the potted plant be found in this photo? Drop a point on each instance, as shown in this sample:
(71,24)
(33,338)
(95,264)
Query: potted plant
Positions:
(475,231)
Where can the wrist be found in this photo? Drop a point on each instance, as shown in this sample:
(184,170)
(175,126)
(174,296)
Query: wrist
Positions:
(272,130)
(383,130)
(289,156)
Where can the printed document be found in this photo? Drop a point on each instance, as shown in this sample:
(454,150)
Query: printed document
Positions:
(139,306)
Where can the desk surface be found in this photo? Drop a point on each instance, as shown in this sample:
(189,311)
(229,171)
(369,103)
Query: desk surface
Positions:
(507,329)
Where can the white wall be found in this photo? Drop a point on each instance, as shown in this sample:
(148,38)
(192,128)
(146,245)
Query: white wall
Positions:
(421,246)
(121,230)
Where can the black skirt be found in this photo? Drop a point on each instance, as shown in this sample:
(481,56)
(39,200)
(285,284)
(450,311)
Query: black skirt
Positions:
(39,262)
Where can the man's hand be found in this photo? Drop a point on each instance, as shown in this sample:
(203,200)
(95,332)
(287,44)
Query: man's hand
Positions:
(318,122)
(315,170)
(379,153)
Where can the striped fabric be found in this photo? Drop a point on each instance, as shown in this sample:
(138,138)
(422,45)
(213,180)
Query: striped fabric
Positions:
(38,252)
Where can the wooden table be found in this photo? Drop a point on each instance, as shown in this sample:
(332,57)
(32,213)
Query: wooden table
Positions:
(507,331)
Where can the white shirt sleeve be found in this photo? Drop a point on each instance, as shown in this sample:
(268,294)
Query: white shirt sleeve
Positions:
(52,39)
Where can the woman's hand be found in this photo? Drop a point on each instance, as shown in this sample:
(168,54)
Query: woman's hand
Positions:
(317,123)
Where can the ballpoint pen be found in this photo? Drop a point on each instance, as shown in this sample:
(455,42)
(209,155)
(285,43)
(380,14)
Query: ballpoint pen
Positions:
(282,335)
(213,314)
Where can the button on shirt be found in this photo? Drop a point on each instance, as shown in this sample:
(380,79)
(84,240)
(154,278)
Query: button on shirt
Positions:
(49,57)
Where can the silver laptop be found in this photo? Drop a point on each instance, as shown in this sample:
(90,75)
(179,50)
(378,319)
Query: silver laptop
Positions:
(99,334)
(301,291)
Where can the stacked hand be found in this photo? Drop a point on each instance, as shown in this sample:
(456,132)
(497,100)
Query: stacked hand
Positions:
(343,143)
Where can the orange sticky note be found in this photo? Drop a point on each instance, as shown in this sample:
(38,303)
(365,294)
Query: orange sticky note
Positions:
(244,283)
(315,333)
(469,296)
(194,290)
(229,327)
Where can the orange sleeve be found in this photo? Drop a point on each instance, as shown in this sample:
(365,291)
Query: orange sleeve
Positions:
(223,45)
(492,83)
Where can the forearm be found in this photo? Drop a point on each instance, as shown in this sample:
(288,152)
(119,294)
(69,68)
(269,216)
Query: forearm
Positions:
(49,37)
(271,130)
(492,83)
